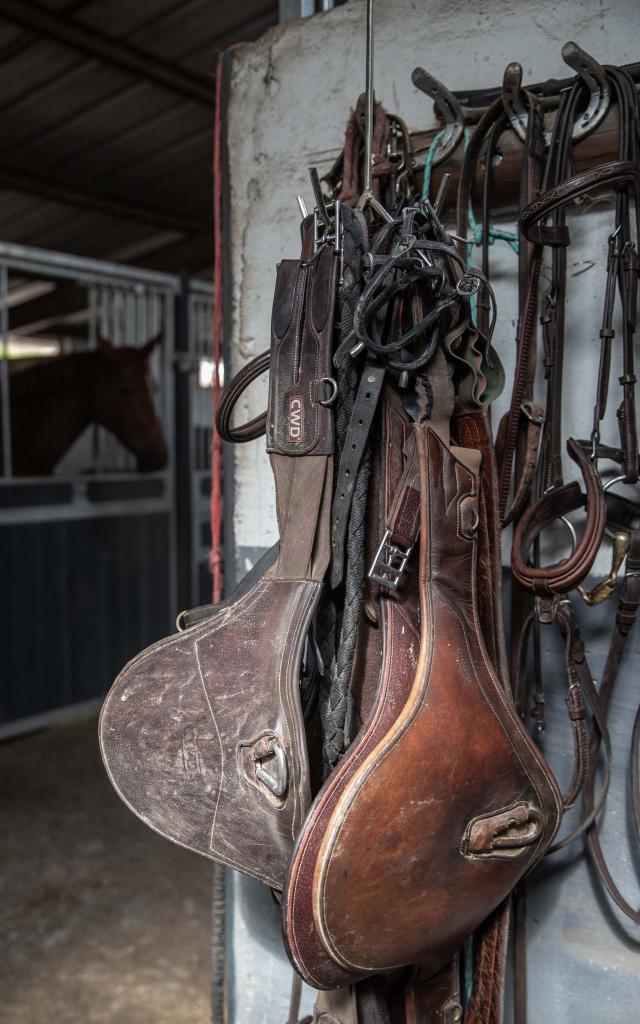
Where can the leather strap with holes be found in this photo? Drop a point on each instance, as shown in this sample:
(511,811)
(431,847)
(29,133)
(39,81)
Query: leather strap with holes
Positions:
(352,452)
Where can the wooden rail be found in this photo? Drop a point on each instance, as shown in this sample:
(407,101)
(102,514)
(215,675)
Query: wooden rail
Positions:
(596,148)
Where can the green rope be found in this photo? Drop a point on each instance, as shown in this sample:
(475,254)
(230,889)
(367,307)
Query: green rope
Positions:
(477,230)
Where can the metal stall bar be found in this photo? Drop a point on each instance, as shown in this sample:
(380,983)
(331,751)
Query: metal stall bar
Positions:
(50,263)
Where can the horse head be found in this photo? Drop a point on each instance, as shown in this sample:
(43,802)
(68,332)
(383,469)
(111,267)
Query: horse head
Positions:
(123,402)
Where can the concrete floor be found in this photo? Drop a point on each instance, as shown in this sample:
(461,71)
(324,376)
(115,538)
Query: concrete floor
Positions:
(101,920)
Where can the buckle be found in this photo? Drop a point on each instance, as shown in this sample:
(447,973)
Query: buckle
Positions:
(389,563)
(537,418)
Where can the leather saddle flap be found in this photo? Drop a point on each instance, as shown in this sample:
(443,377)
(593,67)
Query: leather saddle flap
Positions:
(203,737)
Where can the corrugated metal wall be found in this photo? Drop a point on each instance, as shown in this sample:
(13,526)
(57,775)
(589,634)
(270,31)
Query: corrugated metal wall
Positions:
(79,599)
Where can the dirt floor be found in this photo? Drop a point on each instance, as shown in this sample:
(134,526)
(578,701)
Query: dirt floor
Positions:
(101,920)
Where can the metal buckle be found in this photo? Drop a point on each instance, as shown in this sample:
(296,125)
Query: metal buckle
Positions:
(389,563)
(526,411)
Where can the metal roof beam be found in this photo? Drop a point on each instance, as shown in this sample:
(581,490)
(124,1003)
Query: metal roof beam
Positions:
(34,17)
(19,180)
(38,314)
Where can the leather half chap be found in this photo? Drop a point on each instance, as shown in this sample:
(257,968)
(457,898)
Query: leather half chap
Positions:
(202,734)
(453,804)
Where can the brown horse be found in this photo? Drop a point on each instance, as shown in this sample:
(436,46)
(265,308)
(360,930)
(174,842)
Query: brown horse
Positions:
(53,401)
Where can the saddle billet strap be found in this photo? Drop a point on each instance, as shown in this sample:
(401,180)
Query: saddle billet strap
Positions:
(300,422)
(230,396)
(562,577)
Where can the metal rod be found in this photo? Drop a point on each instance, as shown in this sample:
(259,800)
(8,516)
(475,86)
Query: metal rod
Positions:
(50,263)
(4,371)
(368,124)
(302,206)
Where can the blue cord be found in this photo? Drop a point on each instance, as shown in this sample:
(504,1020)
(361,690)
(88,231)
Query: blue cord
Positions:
(477,230)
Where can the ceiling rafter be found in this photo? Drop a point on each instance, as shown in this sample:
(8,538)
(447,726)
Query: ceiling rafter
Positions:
(41,21)
(20,180)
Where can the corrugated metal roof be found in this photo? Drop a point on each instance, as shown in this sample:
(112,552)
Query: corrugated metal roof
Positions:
(106,121)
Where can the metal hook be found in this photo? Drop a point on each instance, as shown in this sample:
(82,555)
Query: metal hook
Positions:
(448,107)
(595,80)
(513,99)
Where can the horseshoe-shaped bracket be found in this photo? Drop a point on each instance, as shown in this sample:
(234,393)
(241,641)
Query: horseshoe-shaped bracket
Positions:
(595,81)
(513,99)
(449,109)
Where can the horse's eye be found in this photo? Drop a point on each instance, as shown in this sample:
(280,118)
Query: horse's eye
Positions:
(127,392)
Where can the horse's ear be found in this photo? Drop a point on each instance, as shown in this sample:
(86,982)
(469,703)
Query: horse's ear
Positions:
(148,348)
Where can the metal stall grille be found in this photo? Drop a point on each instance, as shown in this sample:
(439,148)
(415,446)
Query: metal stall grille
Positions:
(88,546)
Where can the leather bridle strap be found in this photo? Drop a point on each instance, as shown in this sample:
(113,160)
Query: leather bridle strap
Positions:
(230,396)
(616,173)
(558,579)
(352,452)
(625,619)
(550,612)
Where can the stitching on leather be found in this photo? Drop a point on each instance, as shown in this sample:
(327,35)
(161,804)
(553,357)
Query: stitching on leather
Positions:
(396,738)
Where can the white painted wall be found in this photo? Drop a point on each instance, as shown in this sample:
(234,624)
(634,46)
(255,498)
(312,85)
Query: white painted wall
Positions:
(291,96)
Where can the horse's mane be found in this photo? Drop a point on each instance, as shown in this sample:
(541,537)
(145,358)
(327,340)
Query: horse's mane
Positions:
(47,375)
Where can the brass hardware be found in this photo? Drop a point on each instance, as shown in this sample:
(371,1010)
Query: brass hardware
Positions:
(605,588)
